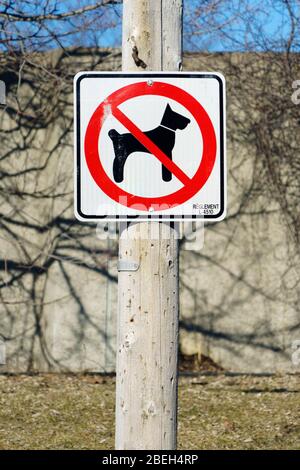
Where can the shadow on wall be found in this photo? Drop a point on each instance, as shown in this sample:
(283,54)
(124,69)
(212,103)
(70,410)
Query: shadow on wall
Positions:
(239,294)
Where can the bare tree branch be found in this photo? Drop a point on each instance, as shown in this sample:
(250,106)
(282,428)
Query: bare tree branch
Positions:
(57,16)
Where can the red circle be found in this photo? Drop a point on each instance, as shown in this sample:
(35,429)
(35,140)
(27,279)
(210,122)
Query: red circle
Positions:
(140,89)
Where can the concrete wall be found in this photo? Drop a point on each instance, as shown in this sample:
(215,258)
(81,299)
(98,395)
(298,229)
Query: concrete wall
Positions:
(239,293)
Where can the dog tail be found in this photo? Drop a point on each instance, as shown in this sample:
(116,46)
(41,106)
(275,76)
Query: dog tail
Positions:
(113,134)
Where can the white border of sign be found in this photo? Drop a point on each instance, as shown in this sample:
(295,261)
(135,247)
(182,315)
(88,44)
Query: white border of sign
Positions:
(159,217)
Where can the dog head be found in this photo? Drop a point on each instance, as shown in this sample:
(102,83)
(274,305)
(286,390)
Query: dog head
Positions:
(174,120)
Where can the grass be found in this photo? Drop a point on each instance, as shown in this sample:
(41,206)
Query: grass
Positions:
(215,412)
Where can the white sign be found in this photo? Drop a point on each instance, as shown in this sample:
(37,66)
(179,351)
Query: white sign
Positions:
(149,145)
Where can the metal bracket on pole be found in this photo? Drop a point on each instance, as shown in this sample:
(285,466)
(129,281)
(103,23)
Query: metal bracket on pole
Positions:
(2,93)
(125,265)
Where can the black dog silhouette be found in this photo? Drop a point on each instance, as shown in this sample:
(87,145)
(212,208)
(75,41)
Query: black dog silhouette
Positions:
(163,136)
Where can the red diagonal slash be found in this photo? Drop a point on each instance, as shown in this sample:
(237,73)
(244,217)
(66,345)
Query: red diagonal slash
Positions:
(150,145)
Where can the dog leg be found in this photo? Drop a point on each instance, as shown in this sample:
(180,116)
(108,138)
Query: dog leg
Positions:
(120,155)
(166,174)
(118,169)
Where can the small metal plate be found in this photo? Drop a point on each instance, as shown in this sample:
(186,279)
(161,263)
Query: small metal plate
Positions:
(125,265)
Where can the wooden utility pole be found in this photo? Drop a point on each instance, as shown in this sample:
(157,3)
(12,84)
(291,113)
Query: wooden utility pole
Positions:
(147,336)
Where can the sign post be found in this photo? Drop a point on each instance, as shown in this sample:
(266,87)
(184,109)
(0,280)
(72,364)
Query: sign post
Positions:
(146,392)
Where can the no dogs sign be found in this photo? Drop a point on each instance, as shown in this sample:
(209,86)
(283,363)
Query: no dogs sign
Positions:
(150,145)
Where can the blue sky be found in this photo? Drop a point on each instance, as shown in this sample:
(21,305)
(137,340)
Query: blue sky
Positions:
(233,25)
(238,25)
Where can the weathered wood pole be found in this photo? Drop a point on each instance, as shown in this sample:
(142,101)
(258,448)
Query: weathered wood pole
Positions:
(147,336)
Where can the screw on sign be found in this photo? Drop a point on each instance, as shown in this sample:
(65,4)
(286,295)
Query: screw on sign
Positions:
(159,142)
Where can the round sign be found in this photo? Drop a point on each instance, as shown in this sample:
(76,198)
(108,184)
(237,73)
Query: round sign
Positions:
(190,185)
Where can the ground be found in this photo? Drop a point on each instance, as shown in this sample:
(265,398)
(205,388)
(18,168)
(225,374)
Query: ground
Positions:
(216,411)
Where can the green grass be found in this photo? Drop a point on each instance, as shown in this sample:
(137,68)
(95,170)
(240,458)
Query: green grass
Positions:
(215,412)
